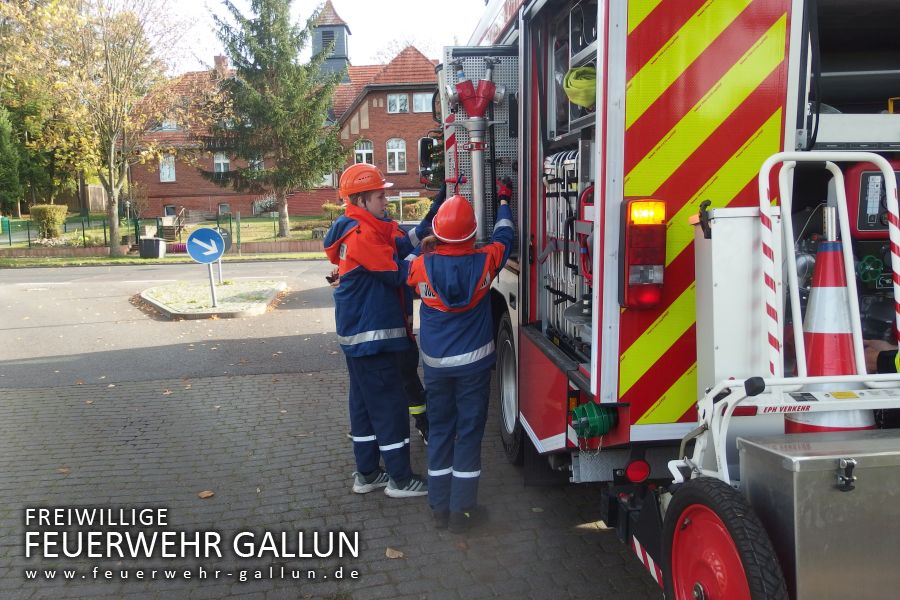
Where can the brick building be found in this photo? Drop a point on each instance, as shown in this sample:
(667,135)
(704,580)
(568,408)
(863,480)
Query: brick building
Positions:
(382,111)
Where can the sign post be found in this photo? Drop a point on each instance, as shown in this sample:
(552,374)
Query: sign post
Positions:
(226,242)
(205,245)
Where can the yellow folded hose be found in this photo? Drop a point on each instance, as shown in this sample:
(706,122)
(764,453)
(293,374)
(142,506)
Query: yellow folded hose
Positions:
(580,85)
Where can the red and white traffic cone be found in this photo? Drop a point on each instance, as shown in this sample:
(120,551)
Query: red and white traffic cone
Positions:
(829,344)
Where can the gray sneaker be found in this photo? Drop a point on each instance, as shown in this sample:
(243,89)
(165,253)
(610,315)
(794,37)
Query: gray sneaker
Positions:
(414,487)
(363,484)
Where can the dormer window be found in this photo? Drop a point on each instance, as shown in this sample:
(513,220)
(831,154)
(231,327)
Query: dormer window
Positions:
(168,125)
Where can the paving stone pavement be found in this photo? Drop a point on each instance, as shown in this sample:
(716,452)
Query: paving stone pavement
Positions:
(273,449)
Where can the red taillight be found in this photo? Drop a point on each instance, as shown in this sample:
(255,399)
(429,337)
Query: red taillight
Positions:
(643,252)
(637,471)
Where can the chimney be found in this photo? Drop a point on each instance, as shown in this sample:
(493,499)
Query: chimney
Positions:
(221,64)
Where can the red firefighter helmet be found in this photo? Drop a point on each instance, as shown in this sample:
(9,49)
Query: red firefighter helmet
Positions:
(361,177)
(454,221)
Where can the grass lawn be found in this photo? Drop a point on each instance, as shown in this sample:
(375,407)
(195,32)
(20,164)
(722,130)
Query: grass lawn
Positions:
(264,229)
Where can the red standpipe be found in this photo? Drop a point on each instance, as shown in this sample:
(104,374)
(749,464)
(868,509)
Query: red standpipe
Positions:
(476,101)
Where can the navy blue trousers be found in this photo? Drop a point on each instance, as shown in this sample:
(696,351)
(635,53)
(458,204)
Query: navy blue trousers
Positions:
(379,422)
(457,412)
(412,385)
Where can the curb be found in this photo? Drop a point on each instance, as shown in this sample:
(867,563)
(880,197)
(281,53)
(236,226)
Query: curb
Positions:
(258,308)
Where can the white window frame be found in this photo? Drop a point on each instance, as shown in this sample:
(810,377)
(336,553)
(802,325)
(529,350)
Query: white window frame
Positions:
(364,154)
(227,209)
(168,125)
(426,97)
(328,181)
(397,104)
(167,169)
(396,155)
(221,163)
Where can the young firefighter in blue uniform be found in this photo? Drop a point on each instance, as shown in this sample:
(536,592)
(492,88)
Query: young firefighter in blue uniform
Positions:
(456,337)
(408,244)
(373,333)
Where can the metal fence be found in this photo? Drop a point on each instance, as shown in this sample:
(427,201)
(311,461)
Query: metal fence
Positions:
(27,232)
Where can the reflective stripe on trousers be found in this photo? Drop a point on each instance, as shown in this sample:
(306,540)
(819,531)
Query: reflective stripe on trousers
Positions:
(394,446)
(450,471)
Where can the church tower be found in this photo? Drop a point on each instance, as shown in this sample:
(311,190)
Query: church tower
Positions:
(331,28)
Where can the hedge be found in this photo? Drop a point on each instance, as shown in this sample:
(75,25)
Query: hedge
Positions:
(332,211)
(412,211)
(49,218)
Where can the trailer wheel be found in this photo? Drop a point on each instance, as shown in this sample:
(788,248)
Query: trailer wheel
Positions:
(511,433)
(715,548)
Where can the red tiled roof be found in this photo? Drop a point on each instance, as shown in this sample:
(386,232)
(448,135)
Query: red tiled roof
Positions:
(329,16)
(410,66)
(186,85)
(346,93)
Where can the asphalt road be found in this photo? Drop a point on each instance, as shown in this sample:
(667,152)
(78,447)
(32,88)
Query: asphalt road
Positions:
(63,326)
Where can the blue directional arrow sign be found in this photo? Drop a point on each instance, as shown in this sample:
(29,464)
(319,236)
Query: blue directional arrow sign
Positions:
(205,245)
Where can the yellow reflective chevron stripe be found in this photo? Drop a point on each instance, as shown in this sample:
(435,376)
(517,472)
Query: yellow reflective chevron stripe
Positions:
(638,11)
(677,54)
(709,113)
(677,400)
(659,337)
(727,183)
(722,187)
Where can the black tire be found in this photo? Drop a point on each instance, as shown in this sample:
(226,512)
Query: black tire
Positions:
(511,433)
(760,564)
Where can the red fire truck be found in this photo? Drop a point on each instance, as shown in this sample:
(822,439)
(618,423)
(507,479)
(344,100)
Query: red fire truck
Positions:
(680,167)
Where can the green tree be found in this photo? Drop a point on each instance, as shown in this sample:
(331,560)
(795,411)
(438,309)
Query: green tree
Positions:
(280,106)
(118,77)
(47,122)
(115,67)
(10,188)
(90,78)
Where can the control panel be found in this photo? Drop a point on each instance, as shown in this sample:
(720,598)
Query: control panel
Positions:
(866,199)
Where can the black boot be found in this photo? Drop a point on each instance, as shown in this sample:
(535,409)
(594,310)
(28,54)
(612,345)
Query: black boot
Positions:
(461,522)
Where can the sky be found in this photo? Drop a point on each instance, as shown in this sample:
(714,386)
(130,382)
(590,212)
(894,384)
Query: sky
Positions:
(375,25)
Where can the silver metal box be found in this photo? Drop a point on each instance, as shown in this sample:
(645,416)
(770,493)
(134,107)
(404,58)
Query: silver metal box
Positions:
(831,543)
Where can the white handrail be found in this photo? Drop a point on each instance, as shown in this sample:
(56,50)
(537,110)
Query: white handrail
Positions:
(784,193)
(772,305)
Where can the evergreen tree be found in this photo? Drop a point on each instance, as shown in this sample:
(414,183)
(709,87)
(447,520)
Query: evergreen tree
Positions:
(10,187)
(280,106)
